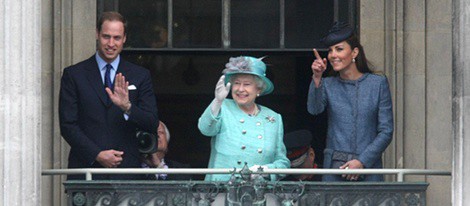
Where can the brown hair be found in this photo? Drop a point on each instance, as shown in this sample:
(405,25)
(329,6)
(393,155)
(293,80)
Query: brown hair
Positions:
(111,16)
(361,60)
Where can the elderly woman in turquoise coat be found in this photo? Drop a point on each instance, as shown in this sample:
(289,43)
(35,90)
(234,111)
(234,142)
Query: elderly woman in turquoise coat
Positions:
(241,130)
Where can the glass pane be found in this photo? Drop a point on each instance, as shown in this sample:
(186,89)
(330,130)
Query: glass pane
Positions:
(255,24)
(347,11)
(197,24)
(307,22)
(147,23)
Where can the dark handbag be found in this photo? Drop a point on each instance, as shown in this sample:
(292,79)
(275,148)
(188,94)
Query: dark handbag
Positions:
(340,158)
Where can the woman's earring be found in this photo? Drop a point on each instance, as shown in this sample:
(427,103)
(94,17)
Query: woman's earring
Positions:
(257,95)
(354,59)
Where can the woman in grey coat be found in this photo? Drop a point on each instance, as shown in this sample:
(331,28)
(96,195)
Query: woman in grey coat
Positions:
(359,106)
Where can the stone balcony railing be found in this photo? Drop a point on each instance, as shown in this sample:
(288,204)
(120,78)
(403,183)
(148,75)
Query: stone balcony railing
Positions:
(244,189)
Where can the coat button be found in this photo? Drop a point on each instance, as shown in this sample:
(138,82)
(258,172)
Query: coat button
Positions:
(260,137)
(239,162)
(243,146)
(243,131)
(260,150)
(258,123)
(242,121)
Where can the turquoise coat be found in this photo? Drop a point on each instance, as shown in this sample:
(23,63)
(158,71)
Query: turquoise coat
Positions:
(238,138)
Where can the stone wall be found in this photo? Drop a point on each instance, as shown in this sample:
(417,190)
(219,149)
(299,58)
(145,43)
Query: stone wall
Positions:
(461,102)
(411,42)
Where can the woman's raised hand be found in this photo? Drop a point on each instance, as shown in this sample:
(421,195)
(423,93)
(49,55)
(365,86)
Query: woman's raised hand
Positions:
(221,90)
(318,67)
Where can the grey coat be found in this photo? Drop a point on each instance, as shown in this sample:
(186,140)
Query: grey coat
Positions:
(360,118)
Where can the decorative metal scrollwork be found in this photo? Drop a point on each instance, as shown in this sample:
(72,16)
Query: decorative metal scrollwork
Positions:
(338,201)
(412,199)
(204,194)
(310,199)
(79,199)
(160,200)
(289,194)
(130,199)
(247,188)
(105,199)
(250,189)
(179,199)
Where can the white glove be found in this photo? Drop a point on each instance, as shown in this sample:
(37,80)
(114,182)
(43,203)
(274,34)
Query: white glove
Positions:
(221,92)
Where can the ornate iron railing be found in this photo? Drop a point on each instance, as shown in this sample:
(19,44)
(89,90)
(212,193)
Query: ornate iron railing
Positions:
(244,188)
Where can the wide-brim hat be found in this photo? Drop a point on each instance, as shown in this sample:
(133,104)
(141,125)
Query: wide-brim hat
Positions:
(248,65)
(338,33)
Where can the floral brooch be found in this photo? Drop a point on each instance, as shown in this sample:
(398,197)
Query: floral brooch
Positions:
(270,119)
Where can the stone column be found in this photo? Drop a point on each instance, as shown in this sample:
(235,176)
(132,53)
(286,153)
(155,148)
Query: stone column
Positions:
(69,31)
(461,102)
(20,102)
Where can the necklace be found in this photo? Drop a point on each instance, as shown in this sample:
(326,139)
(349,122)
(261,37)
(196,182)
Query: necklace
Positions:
(254,112)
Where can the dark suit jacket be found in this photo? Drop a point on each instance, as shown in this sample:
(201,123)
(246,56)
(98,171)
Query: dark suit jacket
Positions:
(91,123)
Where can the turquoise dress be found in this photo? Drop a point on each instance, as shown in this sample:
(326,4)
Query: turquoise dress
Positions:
(238,138)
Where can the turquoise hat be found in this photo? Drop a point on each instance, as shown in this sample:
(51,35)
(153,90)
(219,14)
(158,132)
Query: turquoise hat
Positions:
(248,65)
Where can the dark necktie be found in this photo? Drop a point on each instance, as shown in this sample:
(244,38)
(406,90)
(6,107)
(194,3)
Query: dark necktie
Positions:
(107,77)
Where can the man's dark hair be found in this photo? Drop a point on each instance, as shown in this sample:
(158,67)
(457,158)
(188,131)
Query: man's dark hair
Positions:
(111,16)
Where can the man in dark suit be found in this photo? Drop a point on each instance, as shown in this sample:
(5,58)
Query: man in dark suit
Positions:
(157,159)
(103,101)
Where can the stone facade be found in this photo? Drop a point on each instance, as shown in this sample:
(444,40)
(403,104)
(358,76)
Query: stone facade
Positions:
(20,102)
(411,41)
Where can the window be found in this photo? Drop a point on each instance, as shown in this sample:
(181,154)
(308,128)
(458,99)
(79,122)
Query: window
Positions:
(186,43)
(221,25)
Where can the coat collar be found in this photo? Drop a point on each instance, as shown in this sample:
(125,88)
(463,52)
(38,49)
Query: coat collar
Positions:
(364,76)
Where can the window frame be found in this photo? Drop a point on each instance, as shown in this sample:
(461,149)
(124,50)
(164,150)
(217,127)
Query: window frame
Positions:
(350,17)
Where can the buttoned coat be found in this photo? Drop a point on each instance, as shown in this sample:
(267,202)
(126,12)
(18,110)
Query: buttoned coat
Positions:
(238,138)
(91,123)
(360,118)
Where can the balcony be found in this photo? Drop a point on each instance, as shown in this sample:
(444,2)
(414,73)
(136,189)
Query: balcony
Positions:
(245,188)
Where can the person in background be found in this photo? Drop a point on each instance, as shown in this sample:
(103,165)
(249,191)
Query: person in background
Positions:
(157,159)
(300,154)
(359,106)
(103,101)
(241,130)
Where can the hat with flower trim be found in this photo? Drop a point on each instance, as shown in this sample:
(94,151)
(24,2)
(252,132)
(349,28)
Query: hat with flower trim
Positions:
(248,65)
